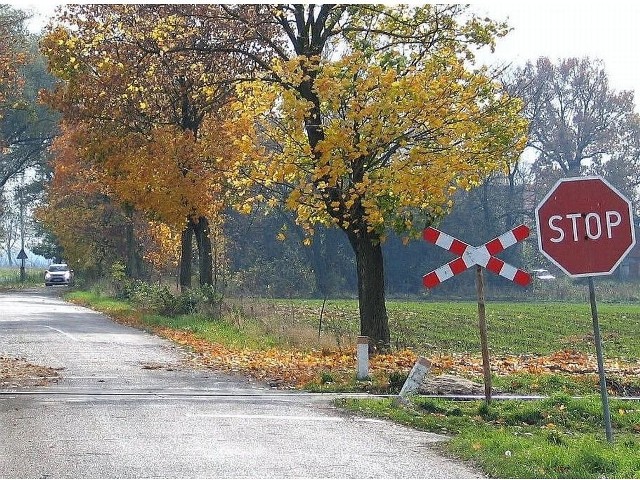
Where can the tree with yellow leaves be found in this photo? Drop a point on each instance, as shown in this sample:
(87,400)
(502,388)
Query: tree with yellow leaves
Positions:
(93,230)
(366,117)
(76,210)
(152,109)
(369,118)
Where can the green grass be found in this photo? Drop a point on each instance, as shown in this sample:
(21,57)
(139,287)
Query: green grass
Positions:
(559,437)
(108,305)
(547,383)
(215,331)
(452,327)
(218,331)
(10,277)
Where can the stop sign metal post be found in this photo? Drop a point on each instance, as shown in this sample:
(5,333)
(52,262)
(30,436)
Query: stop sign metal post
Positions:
(585,227)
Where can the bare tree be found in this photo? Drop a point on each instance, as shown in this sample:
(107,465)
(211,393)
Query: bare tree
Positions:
(622,167)
(576,118)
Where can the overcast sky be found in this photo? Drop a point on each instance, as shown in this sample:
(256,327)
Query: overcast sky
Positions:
(557,29)
(609,31)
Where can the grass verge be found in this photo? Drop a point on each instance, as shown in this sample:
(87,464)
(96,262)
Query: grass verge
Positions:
(202,327)
(108,305)
(559,437)
(452,327)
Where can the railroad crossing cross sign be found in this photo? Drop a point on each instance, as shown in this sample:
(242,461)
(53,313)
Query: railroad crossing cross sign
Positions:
(484,255)
(585,226)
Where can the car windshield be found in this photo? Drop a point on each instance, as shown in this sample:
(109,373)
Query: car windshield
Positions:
(58,268)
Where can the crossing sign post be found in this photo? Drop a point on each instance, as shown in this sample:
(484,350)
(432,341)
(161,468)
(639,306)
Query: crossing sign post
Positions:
(481,257)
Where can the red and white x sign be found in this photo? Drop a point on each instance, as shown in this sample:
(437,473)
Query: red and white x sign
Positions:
(482,255)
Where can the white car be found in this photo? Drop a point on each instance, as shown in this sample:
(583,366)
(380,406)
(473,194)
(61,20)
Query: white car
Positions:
(58,274)
(543,274)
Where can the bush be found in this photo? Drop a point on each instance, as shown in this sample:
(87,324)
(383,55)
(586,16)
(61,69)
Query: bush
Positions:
(120,283)
(152,297)
(161,300)
(203,299)
(396,381)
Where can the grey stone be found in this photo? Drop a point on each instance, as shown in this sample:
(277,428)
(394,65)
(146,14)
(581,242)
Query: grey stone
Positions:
(449,385)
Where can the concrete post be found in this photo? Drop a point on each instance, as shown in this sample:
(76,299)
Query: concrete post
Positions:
(416,375)
(363,358)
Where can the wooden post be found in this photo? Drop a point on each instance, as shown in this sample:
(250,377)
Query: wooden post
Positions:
(482,322)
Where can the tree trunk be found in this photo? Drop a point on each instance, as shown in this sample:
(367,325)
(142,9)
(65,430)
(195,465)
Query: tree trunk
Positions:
(318,259)
(134,258)
(185,256)
(374,322)
(205,258)
(133,266)
(9,243)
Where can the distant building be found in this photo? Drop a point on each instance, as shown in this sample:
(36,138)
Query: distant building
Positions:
(630,267)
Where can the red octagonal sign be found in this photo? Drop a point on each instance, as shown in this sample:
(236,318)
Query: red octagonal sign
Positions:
(585,226)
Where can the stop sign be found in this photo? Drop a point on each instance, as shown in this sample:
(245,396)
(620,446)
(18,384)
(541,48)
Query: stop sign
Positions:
(585,226)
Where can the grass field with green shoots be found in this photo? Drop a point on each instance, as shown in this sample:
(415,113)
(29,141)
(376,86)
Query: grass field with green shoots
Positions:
(452,327)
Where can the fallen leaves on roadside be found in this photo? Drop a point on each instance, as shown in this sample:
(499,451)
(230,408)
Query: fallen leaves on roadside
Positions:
(296,368)
(566,361)
(18,373)
(287,368)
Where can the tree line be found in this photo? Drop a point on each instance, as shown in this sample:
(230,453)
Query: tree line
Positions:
(298,149)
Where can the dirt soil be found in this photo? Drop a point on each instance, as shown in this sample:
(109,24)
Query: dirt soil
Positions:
(18,373)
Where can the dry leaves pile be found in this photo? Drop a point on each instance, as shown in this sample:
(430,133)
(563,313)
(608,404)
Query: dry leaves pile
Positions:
(294,369)
(18,373)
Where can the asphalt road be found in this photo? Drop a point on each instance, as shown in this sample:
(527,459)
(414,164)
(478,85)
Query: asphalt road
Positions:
(131,405)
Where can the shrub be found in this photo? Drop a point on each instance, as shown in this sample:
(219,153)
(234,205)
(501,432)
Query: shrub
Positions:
(120,282)
(153,297)
(204,299)
(396,381)
(161,300)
